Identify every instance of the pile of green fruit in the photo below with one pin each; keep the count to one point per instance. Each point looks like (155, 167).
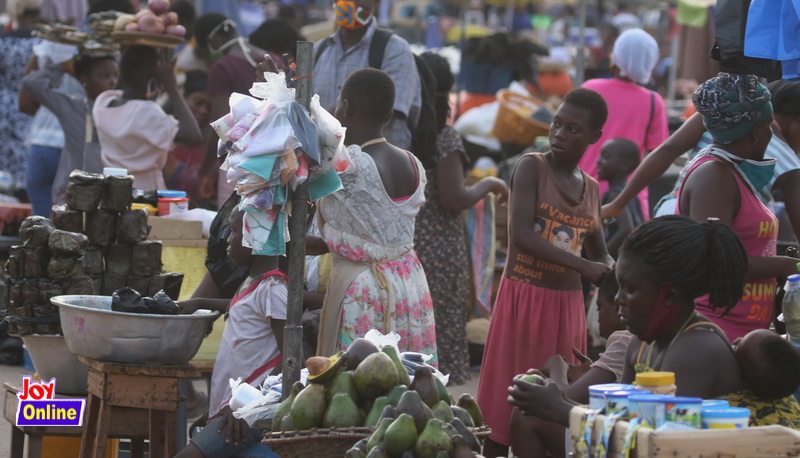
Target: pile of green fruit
(365, 387)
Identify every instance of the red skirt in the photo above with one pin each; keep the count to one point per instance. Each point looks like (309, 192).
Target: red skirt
(529, 324)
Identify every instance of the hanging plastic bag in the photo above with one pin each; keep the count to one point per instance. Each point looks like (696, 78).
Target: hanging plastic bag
(331, 139)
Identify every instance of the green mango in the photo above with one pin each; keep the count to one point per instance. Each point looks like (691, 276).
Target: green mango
(401, 370)
(287, 424)
(424, 385)
(375, 376)
(341, 383)
(462, 415)
(375, 411)
(342, 413)
(443, 394)
(377, 452)
(400, 436)
(395, 393)
(442, 411)
(309, 407)
(467, 402)
(412, 404)
(461, 430)
(285, 405)
(433, 440)
(377, 436)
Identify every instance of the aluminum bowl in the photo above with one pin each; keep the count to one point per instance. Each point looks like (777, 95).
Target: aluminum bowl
(93, 330)
(51, 358)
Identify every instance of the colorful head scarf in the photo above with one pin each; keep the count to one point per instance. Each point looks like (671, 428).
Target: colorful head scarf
(635, 53)
(732, 105)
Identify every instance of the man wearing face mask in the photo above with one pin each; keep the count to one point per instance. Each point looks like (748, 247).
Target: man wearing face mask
(233, 62)
(347, 50)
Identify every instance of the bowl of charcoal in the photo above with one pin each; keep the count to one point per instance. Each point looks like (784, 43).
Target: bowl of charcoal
(149, 331)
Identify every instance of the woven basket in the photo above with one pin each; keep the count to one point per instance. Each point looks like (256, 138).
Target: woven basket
(326, 442)
(317, 442)
(513, 123)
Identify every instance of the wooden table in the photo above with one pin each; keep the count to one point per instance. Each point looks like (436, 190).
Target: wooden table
(126, 423)
(157, 390)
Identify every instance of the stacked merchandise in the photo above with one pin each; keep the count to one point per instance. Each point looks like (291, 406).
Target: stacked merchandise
(50, 262)
(118, 252)
(272, 146)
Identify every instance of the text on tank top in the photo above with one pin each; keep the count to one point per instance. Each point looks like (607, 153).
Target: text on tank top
(563, 222)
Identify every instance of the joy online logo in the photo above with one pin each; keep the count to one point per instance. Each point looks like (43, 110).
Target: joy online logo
(39, 407)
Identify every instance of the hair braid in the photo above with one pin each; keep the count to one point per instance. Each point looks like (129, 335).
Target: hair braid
(698, 257)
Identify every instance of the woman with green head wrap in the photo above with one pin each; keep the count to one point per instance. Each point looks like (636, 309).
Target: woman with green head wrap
(722, 181)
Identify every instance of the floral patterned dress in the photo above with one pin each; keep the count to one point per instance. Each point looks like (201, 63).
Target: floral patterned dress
(364, 227)
(14, 126)
(441, 244)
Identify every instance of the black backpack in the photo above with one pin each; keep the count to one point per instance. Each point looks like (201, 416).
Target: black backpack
(424, 133)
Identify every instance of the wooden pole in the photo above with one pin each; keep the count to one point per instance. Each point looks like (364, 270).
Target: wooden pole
(293, 331)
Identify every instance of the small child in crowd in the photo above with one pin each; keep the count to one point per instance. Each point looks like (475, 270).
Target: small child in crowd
(250, 348)
(134, 131)
(539, 311)
(619, 157)
(770, 364)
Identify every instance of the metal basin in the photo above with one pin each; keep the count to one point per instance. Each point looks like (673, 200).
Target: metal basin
(93, 330)
(51, 358)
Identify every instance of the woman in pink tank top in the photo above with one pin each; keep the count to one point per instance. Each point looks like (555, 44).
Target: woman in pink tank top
(722, 182)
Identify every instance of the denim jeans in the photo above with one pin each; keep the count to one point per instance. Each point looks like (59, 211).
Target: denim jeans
(42, 163)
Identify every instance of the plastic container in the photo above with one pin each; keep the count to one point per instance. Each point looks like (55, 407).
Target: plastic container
(618, 400)
(242, 395)
(151, 210)
(791, 308)
(715, 404)
(726, 418)
(115, 171)
(680, 410)
(657, 382)
(172, 202)
(597, 393)
(645, 406)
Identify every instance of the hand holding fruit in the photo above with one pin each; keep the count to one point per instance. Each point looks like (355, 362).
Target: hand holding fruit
(544, 400)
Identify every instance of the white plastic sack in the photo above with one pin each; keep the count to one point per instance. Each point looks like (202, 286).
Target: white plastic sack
(392, 339)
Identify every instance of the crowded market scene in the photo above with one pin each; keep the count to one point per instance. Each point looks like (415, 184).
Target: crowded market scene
(399, 228)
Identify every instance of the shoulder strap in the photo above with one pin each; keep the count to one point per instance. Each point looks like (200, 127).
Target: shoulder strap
(323, 45)
(652, 113)
(377, 47)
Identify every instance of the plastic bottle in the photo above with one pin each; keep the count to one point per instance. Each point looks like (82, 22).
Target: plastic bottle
(657, 382)
(791, 308)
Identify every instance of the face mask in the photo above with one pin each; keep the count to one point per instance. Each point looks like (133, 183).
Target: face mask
(225, 26)
(350, 17)
(759, 173)
(756, 173)
(662, 317)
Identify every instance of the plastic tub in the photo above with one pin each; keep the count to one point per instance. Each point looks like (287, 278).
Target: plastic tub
(597, 397)
(715, 404)
(645, 406)
(726, 418)
(618, 400)
(680, 410)
(172, 202)
(93, 330)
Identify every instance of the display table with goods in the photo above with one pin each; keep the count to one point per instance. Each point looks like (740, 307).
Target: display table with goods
(598, 435)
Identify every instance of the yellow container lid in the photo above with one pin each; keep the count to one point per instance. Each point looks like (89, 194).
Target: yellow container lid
(655, 378)
(151, 210)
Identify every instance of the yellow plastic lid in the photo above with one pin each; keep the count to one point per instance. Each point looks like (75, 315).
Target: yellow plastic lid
(655, 378)
(151, 210)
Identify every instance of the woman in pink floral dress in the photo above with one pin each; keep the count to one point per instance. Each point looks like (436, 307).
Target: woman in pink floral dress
(377, 281)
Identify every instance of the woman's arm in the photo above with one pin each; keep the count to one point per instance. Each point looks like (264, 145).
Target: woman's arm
(522, 216)
(454, 196)
(27, 103)
(656, 163)
(595, 244)
(624, 227)
(188, 130)
(277, 329)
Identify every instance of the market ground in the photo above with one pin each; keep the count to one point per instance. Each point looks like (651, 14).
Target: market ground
(13, 374)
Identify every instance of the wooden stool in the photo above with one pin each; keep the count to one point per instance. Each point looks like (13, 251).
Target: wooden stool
(159, 389)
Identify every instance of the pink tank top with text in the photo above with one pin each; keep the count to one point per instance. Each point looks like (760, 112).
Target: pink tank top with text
(757, 228)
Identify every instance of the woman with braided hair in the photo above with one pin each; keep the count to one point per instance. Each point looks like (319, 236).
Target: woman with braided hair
(722, 182)
(663, 266)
